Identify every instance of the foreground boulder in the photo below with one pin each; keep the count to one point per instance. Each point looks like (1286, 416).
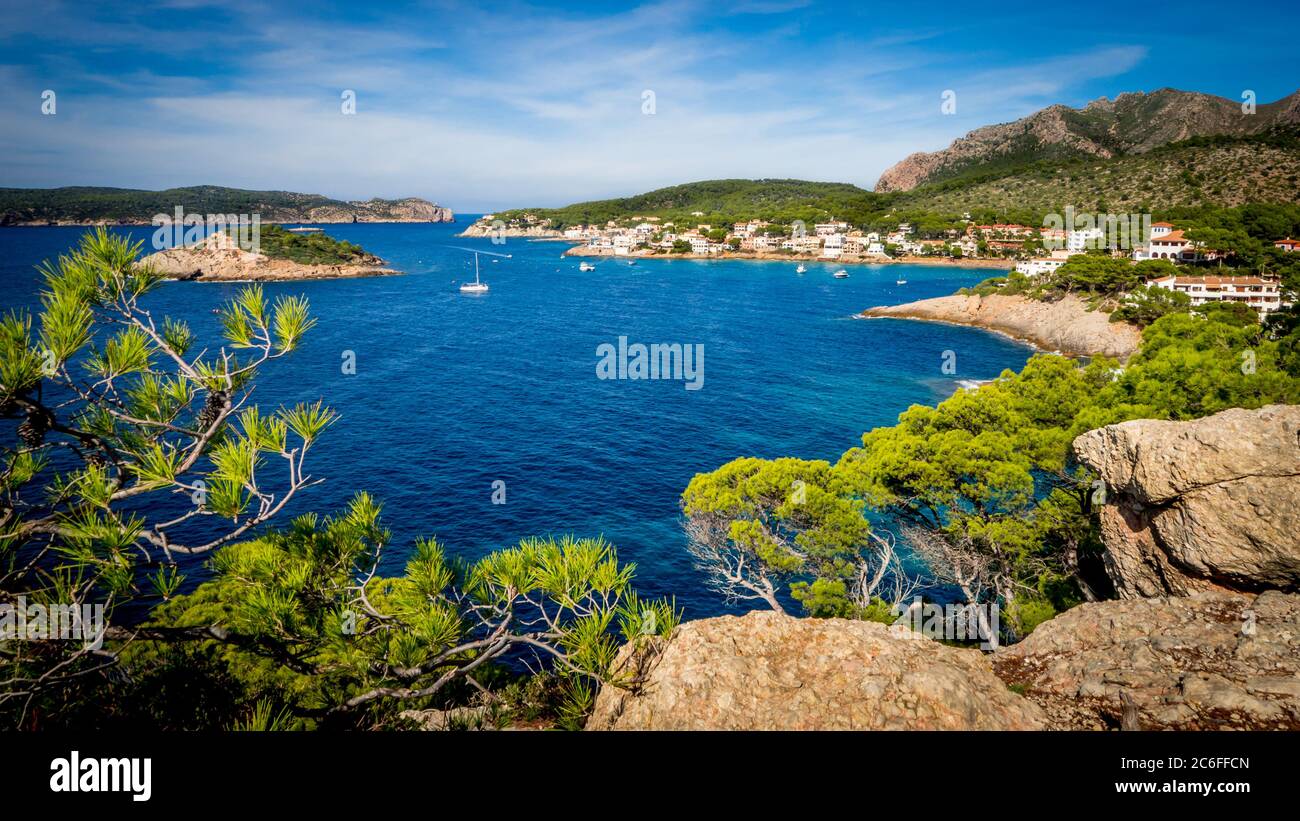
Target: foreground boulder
(1202, 505)
(767, 671)
(1215, 660)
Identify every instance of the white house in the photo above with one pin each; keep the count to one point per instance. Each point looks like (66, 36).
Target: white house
(1264, 295)
(833, 247)
(1039, 265)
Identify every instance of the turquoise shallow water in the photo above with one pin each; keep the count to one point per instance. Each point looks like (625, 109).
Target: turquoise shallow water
(454, 392)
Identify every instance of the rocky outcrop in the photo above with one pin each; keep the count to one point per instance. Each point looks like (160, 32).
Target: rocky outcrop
(487, 228)
(410, 209)
(1215, 660)
(1208, 504)
(769, 671)
(219, 259)
(1065, 325)
(1130, 124)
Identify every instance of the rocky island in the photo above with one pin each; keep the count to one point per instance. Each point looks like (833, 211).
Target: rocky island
(281, 256)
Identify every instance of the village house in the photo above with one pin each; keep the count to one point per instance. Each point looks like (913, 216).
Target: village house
(833, 246)
(1288, 244)
(1264, 295)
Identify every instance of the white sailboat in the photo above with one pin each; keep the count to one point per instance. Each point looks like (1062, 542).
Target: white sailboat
(900, 282)
(475, 287)
(478, 286)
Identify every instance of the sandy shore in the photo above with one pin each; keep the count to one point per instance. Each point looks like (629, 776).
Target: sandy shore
(1065, 325)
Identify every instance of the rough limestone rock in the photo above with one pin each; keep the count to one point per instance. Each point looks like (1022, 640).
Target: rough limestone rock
(1208, 504)
(1065, 325)
(1215, 660)
(219, 258)
(767, 671)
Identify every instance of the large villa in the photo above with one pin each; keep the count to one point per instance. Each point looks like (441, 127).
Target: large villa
(1264, 295)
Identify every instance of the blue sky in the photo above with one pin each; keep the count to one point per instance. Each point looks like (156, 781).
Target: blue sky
(487, 105)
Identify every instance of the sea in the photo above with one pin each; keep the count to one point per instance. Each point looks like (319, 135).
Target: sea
(484, 419)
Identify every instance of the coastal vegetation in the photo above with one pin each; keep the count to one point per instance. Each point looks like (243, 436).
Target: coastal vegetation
(1201, 172)
(90, 204)
(315, 248)
(983, 486)
(717, 201)
(138, 447)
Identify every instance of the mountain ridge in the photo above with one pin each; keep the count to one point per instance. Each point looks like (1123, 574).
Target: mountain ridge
(1130, 124)
(79, 205)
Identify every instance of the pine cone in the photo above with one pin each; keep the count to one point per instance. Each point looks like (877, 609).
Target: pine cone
(212, 409)
(33, 428)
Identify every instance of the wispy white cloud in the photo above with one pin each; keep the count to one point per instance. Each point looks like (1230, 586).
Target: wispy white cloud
(481, 107)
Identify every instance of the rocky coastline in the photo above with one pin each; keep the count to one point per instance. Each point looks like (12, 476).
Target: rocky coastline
(1065, 325)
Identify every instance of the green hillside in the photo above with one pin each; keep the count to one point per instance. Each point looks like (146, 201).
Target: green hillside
(83, 204)
(1203, 171)
(90, 204)
(720, 201)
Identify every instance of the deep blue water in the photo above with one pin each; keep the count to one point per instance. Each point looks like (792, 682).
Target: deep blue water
(453, 392)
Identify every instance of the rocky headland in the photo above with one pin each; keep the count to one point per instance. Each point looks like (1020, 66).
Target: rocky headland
(1064, 325)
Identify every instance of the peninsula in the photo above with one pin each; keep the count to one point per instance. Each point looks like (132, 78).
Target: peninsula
(85, 205)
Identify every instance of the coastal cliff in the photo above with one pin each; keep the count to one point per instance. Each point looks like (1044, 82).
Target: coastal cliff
(219, 259)
(1065, 325)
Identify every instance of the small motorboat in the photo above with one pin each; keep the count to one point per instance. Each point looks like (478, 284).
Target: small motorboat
(801, 269)
(841, 274)
(900, 282)
(586, 266)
